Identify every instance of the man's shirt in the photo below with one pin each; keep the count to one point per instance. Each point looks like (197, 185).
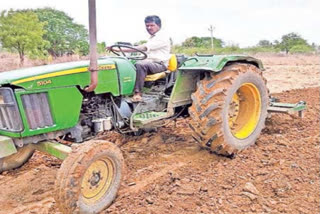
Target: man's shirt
(158, 48)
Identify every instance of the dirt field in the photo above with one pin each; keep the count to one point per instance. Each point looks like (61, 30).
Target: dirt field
(168, 173)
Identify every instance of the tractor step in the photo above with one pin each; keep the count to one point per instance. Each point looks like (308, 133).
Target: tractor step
(148, 117)
(287, 108)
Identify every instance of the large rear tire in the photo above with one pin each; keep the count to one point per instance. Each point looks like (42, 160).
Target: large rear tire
(17, 159)
(229, 109)
(89, 178)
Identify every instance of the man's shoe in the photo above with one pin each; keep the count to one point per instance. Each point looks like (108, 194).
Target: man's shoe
(136, 98)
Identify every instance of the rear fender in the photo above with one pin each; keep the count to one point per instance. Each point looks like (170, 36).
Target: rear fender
(216, 63)
(190, 73)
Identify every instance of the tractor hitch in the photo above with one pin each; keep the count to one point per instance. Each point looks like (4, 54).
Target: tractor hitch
(288, 108)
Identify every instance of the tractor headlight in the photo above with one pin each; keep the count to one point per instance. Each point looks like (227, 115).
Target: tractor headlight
(10, 119)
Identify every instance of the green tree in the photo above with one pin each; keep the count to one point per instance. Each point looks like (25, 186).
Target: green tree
(290, 40)
(23, 32)
(276, 44)
(101, 47)
(264, 43)
(65, 36)
(192, 42)
(202, 42)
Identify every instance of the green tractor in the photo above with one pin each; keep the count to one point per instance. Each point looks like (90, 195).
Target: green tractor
(226, 98)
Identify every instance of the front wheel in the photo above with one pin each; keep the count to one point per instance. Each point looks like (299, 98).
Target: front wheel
(229, 109)
(89, 178)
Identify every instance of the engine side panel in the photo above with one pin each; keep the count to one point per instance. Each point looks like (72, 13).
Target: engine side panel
(62, 112)
(127, 75)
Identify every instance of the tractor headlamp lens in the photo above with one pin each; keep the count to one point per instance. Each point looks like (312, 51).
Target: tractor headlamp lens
(10, 119)
(6, 96)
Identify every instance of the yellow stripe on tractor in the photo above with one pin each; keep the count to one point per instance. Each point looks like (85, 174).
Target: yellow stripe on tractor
(62, 73)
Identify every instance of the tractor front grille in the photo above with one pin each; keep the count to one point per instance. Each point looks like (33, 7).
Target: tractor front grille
(10, 119)
(37, 110)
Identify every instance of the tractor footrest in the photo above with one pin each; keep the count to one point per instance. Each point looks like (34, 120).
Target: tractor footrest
(287, 108)
(148, 117)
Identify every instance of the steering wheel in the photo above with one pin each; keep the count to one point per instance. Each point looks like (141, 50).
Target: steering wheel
(142, 55)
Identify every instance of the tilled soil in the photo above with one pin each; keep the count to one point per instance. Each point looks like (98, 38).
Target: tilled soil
(167, 172)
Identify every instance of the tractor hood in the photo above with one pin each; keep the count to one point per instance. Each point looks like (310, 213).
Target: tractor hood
(216, 63)
(25, 74)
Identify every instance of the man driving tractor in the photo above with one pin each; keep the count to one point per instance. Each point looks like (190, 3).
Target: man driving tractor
(157, 49)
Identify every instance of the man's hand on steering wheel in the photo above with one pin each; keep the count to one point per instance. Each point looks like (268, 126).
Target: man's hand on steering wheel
(128, 49)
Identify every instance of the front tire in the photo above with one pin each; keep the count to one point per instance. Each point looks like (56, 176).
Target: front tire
(89, 178)
(17, 159)
(229, 109)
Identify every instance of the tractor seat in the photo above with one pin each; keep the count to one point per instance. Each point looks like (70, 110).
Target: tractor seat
(173, 64)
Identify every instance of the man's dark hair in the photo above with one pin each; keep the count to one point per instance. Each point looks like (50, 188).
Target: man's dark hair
(154, 19)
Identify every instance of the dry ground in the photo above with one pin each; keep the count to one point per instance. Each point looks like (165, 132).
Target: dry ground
(168, 173)
(10, 61)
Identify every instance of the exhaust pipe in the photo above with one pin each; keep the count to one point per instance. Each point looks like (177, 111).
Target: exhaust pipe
(93, 68)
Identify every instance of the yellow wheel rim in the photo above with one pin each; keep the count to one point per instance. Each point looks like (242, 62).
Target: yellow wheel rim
(97, 180)
(244, 111)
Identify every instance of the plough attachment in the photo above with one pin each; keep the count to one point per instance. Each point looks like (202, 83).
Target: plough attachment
(288, 108)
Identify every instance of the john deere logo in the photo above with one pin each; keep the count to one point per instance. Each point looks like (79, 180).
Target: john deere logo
(44, 82)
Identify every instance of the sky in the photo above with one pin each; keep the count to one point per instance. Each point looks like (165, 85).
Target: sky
(239, 22)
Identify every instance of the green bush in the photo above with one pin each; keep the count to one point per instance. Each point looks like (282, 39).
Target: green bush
(301, 49)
